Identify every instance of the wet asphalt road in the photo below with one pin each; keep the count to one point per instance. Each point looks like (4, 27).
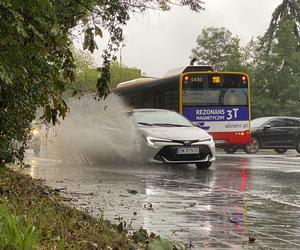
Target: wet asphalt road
(239, 196)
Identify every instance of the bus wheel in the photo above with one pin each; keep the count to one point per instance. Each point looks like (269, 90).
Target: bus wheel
(253, 146)
(280, 150)
(230, 149)
(203, 165)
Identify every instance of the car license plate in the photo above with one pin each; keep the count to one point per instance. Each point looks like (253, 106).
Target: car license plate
(186, 150)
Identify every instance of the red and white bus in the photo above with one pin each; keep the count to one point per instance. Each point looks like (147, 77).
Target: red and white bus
(218, 102)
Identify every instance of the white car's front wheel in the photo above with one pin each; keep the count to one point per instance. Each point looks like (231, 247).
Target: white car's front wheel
(203, 165)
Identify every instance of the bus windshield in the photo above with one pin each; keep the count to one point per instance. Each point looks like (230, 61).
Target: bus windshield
(211, 89)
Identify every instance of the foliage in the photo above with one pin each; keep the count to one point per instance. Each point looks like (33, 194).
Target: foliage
(122, 74)
(40, 218)
(140, 235)
(159, 244)
(276, 78)
(86, 74)
(219, 48)
(14, 234)
(37, 62)
(287, 10)
(33, 216)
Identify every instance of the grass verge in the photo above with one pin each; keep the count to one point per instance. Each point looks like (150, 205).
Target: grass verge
(32, 216)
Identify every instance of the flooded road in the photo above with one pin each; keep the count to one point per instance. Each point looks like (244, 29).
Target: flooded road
(239, 196)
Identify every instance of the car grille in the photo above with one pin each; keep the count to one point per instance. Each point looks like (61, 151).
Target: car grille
(170, 154)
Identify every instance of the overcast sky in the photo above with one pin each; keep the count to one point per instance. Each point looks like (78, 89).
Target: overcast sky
(159, 41)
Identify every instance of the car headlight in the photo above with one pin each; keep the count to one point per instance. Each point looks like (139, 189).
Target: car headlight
(151, 140)
(207, 139)
(34, 131)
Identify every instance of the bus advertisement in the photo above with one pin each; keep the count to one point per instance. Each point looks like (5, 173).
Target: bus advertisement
(218, 102)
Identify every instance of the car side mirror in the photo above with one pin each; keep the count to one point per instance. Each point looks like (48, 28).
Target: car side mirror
(268, 126)
(196, 124)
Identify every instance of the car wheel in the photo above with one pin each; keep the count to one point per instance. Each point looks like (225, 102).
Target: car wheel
(203, 165)
(280, 150)
(230, 149)
(253, 146)
(298, 147)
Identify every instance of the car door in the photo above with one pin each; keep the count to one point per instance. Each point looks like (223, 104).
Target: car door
(291, 132)
(272, 133)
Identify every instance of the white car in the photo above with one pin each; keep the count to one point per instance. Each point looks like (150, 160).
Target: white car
(167, 137)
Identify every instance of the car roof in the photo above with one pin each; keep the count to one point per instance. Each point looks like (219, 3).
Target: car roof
(279, 117)
(151, 110)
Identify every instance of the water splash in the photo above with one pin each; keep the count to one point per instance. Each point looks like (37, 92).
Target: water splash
(94, 132)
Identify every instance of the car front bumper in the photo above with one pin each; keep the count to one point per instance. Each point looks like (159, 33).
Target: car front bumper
(163, 152)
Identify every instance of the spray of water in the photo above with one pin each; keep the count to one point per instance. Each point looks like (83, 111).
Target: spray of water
(94, 132)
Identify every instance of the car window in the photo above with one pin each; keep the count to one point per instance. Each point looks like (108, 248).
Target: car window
(297, 123)
(276, 123)
(290, 123)
(160, 118)
(256, 123)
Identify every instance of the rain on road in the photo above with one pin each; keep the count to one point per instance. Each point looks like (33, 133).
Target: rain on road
(239, 196)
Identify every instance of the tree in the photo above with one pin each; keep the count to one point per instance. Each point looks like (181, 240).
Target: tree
(37, 61)
(219, 48)
(277, 78)
(276, 81)
(86, 74)
(122, 74)
(287, 10)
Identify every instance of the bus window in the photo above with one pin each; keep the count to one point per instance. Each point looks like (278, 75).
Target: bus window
(215, 90)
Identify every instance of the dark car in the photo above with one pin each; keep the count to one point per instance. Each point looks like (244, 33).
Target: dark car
(278, 133)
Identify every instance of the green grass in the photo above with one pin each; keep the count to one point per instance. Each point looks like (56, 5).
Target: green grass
(33, 216)
(14, 234)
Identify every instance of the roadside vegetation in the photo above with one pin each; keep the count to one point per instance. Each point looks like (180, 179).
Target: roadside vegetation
(35, 217)
(87, 73)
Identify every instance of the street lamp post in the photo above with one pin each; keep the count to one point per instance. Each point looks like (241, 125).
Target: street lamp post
(123, 45)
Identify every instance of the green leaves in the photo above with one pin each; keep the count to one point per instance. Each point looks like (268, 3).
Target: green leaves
(160, 244)
(276, 77)
(98, 31)
(140, 235)
(89, 40)
(219, 48)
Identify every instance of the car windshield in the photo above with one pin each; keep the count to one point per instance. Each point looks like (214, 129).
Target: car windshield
(160, 118)
(256, 123)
